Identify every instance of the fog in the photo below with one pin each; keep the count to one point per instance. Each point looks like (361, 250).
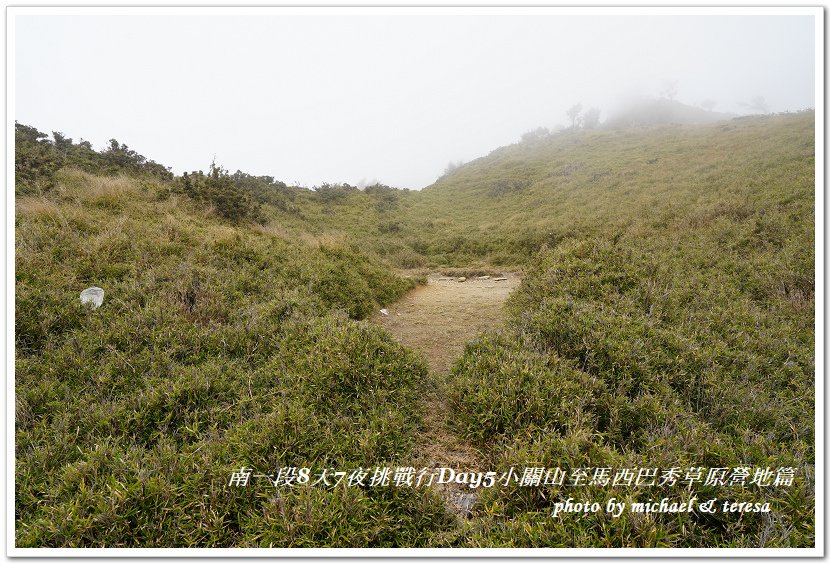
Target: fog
(391, 98)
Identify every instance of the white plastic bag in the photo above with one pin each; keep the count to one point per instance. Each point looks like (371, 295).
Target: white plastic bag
(94, 295)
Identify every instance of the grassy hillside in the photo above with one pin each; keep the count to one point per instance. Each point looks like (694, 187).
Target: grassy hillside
(665, 319)
(504, 207)
(668, 322)
(217, 346)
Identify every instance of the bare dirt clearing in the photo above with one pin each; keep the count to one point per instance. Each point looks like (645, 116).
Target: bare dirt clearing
(436, 320)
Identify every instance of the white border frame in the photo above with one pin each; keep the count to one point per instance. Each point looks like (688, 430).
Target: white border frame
(817, 551)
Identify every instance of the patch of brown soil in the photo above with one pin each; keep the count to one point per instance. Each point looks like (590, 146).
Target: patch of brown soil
(437, 319)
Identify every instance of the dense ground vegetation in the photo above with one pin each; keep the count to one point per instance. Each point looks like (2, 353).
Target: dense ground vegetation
(666, 319)
(218, 346)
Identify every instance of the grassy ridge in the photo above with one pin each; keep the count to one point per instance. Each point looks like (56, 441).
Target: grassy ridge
(500, 210)
(503, 208)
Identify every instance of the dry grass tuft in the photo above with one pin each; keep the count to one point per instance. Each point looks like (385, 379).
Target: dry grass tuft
(38, 208)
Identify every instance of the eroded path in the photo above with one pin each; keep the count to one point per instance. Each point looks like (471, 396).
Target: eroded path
(436, 320)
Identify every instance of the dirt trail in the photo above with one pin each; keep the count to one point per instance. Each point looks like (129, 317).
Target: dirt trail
(436, 320)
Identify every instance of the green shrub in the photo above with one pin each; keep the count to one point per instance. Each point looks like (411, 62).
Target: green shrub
(503, 387)
(35, 161)
(217, 189)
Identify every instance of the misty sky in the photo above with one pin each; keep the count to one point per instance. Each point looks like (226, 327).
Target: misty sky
(394, 98)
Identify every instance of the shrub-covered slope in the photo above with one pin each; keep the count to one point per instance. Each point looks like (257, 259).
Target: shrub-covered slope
(218, 346)
(669, 323)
